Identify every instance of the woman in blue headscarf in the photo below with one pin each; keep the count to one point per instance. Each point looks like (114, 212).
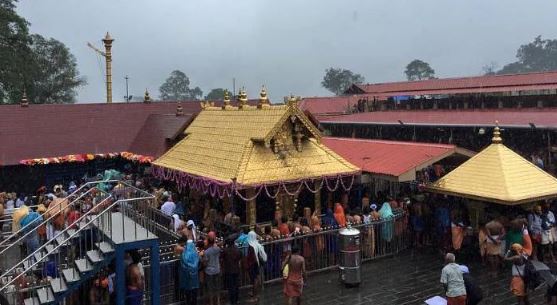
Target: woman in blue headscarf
(329, 219)
(189, 275)
(386, 215)
(329, 222)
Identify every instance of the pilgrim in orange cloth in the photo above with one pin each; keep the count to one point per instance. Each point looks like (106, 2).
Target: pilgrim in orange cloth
(339, 215)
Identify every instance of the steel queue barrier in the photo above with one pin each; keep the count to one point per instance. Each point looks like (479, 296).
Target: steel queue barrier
(381, 238)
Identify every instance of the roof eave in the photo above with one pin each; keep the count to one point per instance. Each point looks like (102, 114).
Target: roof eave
(438, 190)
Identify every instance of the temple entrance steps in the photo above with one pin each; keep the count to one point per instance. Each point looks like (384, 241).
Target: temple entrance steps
(84, 249)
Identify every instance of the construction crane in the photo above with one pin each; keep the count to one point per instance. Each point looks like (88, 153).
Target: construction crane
(107, 54)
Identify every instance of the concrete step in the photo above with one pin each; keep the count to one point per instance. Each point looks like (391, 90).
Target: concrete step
(70, 232)
(105, 247)
(83, 265)
(46, 296)
(28, 263)
(50, 249)
(95, 256)
(60, 239)
(38, 256)
(58, 285)
(71, 275)
(32, 301)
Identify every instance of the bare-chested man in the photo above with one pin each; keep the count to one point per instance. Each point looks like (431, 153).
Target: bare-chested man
(294, 283)
(495, 235)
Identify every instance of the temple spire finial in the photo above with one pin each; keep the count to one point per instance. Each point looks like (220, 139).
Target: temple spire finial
(496, 134)
(179, 110)
(242, 98)
(263, 99)
(292, 100)
(226, 101)
(24, 102)
(146, 97)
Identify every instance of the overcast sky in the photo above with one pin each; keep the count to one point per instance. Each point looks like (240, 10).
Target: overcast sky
(285, 44)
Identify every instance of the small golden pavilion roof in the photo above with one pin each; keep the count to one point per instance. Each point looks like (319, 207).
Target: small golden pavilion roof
(252, 146)
(498, 174)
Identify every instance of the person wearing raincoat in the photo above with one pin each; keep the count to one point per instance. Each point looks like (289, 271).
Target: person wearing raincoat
(386, 215)
(189, 272)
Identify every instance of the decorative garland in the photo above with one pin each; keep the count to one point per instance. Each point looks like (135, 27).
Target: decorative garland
(81, 158)
(220, 189)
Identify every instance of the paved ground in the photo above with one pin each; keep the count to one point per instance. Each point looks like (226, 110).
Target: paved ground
(408, 278)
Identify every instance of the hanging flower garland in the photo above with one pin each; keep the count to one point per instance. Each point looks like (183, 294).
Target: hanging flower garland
(81, 158)
(220, 189)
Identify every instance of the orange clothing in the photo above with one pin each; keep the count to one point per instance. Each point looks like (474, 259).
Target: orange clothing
(283, 228)
(339, 215)
(527, 243)
(517, 286)
(73, 216)
(460, 300)
(457, 233)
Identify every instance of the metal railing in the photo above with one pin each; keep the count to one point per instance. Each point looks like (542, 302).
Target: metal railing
(72, 243)
(382, 238)
(55, 210)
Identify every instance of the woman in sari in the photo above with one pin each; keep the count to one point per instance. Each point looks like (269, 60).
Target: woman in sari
(339, 215)
(318, 243)
(329, 219)
(330, 222)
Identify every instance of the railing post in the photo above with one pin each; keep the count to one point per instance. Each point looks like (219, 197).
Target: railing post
(120, 285)
(155, 274)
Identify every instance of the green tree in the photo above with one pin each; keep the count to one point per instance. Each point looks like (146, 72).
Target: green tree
(177, 87)
(15, 54)
(536, 56)
(338, 80)
(45, 68)
(215, 94)
(56, 76)
(419, 70)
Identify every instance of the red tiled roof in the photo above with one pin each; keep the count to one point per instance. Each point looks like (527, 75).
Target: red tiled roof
(392, 158)
(328, 105)
(40, 131)
(154, 138)
(475, 84)
(519, 118)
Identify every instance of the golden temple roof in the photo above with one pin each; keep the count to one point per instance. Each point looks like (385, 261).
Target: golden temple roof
(498, 174)
(253, 145)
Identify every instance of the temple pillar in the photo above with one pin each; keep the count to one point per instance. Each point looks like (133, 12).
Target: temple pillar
(317, 198)
(251, 216)
(226, 204)
(330, 203)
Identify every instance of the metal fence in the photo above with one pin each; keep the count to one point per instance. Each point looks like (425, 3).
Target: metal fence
(380, 238)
